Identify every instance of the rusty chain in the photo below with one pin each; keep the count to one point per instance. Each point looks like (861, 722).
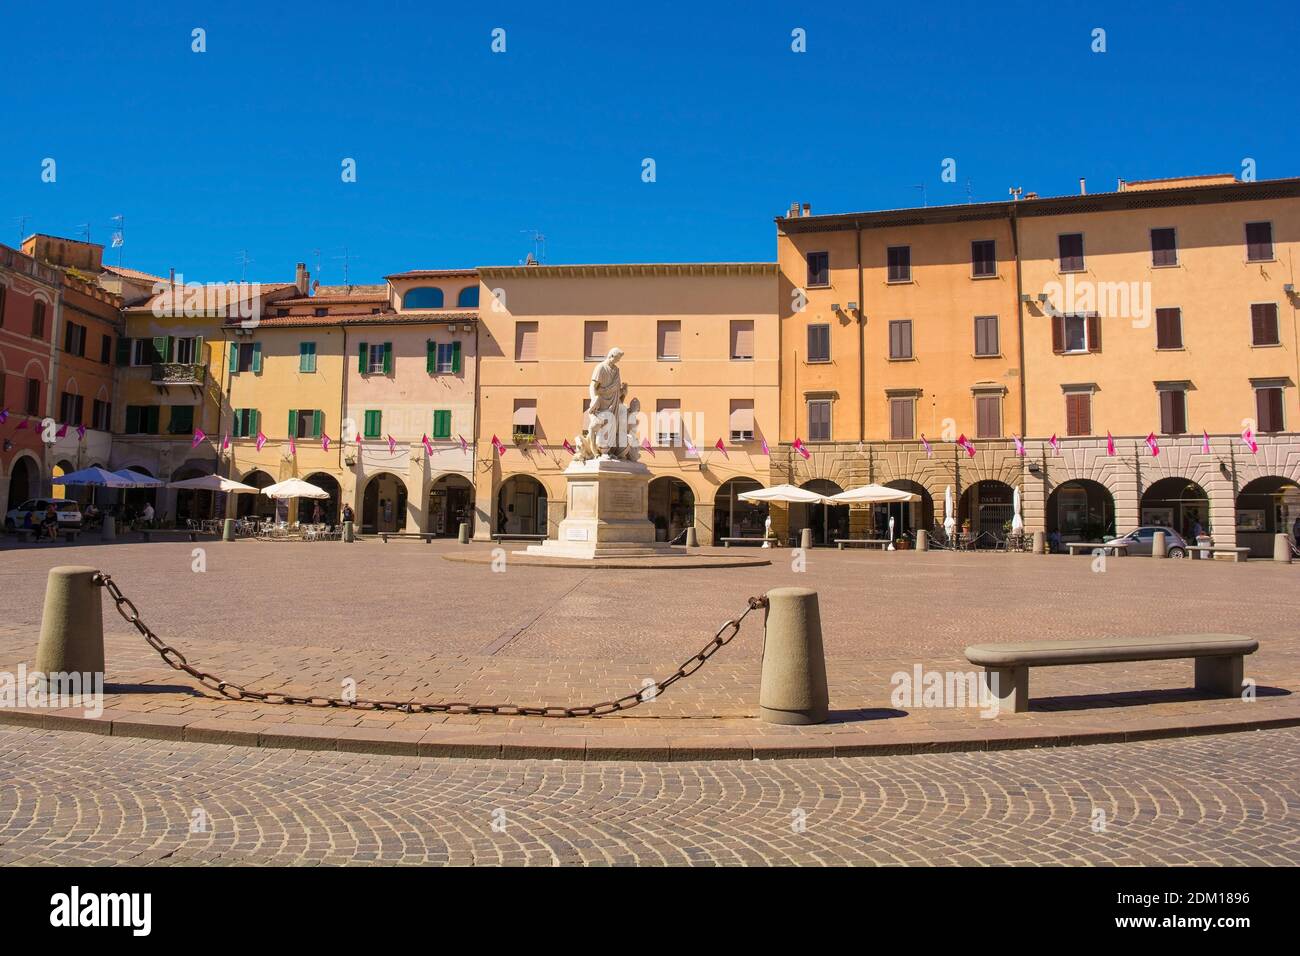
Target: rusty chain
(175, 659)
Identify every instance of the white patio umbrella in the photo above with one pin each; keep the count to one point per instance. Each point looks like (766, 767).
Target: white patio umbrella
(949, 523)
(214, 483)
(94, 478)
(1017, 522)
(872, 494)
(789, 493)
(294, 488)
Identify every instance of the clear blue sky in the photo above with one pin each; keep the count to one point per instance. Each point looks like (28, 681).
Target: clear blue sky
(459, 151)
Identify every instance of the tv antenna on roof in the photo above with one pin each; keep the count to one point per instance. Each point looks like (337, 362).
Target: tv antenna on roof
(85, 229)
(22, 227)
(539, 245)
(119, 236)
(347, 259)
(243, 260)
(921, 186)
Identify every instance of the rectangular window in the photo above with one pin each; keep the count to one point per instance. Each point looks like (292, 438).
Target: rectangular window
(445, 357)
(377, 361)
(306, 356)
(143, 352)
(525, 341)
(1173, 411)
(819, 420)
(74, 339)
(900, 339)
(742, 340)
(1263, 324)
(245, 423)
(1070, 247)
(595, 338)
(742, 420)
(245, 353)
(305, 422)
(525, 418)
(442, 423)
(668, 422)
(33, 396)
(983, 258)
(902, 419)
(1164, 247)
(181, 421)
(1078, 413)
(142, 419)
(819, 343)
(185, 351)
(1259, 241)
(38, 319)
(4, 289)
(374, 424)
(106, 349)
(70, 408)
(669, 336)
(102, 413)
(988, 416)
(986, 335)
(1076, 333)
(1268, 409)
(819, 269)
(1169, 328)
(900, 263)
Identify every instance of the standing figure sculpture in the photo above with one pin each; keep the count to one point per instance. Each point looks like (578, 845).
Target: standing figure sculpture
(609, 424)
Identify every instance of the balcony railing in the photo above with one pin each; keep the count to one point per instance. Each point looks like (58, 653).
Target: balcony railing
(177, 373)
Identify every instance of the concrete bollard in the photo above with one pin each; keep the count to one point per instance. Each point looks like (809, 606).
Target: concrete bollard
(349, 533)
(922, 540)
(805, 539)
(72, 624)
(793, 689)
(228, 530)
(463, 534)
(108, 530)
(1040, 542)
(692, 538)
(1159, 547)
(1282, 548)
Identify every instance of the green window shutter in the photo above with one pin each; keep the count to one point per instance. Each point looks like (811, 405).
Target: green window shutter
(257, 422)
(374, 424)
(257, 358)
(293, 423)
(302, 356)
(317, 423)
(455, 356)
(132, 419)
(363, 354)
(234, 358)
(123, 351)
(236, 421)
(442, 423)
(154, 411)
(388, 358)
(160, 344)
(430, 356)
(198, 350)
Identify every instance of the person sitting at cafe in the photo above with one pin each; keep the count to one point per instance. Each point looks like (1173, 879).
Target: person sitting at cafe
(50, 522)
(147, 514)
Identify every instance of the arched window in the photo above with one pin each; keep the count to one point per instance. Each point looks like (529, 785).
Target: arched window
(425, 297)
(468, 298)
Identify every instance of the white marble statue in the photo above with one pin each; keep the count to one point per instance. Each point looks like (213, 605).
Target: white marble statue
(610, 427)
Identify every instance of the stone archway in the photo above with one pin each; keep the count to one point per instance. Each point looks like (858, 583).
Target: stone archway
(1267, 506)
(734, 518)
(987, 505)
(451, 502)
(909, 517)
(329, 507)
(521, 506)
(24, 481)
(671, 507)
(192, 505)
(1081, 510)
(258, 505)
(383, 504)
(1177, 503)
(827, 522)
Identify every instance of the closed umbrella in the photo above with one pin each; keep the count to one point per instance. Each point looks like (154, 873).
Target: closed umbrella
(949, 523)
(1017, 522)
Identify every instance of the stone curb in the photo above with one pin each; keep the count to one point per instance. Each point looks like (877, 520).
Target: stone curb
(441, 742)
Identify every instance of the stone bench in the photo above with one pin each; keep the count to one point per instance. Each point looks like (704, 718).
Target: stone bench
(502, 536)
(1220, 660)
(1117, 548)
(750, 539)
(882, 543)
(1208, 551)
(428, 536)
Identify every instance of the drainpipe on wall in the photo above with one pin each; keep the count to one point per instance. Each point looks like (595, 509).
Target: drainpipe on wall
(862, 344)
(1020, 321)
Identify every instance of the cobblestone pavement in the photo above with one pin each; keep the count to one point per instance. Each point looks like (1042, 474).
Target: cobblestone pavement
(1223, 800)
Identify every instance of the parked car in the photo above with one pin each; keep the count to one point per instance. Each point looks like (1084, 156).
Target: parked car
(68, 512)
(1139, 541)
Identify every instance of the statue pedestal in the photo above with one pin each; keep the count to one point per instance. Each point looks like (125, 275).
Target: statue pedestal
(606, 515)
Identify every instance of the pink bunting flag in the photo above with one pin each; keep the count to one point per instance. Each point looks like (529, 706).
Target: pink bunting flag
(23, 425)
(198, 438)
(324, 442)
(4, 415)
(1247, 436)
(62, 432)
(225, 442)
(81, 431)
(293, 447)
(645, 443)
(1055, 443)
(1110, 443)
(1020, 445)
(967, 444)
(567, 447)
(392, 445)
(498, 446)
(261, 440)
(1153, 444)
(541, 445)
(766, 450)
(359, 440)
(798, 446)
(722, 448)
(1205, 442)
(691, 450)
(464, 445)
(428, 445)
(925, 443)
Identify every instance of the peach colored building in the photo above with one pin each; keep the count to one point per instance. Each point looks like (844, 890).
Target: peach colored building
(701, 345)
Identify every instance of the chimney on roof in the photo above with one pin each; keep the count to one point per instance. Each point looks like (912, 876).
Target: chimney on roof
(1120, 185)
(793, 211)
(1083, 186)
(301, 278)
(807, 209)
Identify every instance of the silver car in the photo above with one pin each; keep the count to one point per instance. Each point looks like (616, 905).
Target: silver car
(1139, 541)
